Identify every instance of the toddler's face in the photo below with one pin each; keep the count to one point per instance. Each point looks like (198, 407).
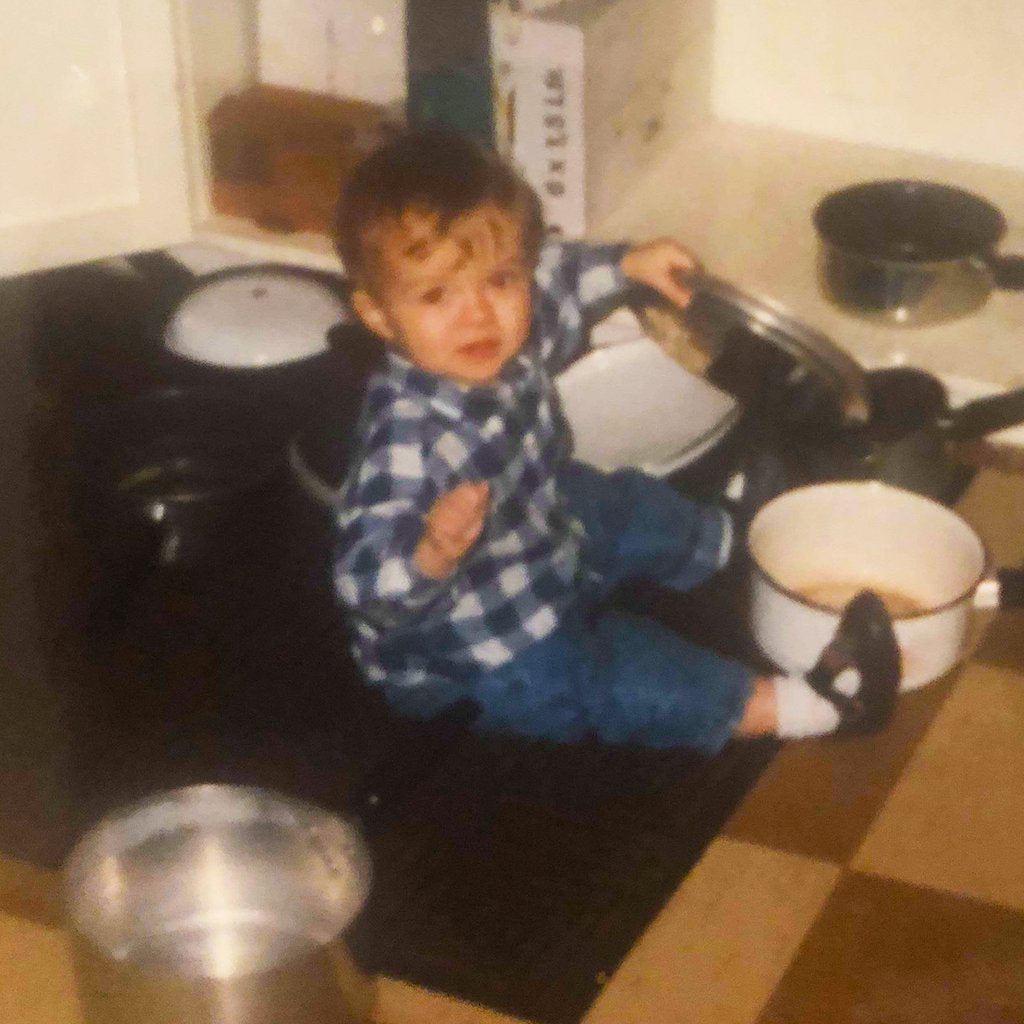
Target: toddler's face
(458, 304)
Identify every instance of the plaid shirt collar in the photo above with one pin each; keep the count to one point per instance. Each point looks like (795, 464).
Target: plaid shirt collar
(463, 401)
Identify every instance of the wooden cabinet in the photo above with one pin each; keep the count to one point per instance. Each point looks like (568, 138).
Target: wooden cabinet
(105, 127)
(106, 121)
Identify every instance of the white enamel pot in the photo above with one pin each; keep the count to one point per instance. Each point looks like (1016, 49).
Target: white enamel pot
(813, 548)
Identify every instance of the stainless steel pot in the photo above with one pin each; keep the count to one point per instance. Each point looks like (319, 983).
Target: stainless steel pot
(217, 904)
(911, 252)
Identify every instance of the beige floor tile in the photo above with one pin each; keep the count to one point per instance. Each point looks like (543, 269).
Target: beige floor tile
(818, 798)
(29, 891)
(37, 985)
(401, 1003)
(718, 948)
(954, 820)
(993, 506)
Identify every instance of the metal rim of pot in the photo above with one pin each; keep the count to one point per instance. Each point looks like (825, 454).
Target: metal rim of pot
(719, 311)
(710, 339)
(911, 252)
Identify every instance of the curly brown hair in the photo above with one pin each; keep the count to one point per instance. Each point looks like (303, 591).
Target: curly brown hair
(432, 171)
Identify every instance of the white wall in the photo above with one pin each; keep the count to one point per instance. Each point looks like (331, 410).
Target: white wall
(648, 81)
(221, 49)
(933, 76)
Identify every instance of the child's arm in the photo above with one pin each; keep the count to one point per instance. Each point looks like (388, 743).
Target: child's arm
(576, 284)
(410, 515)
(663, 265)
(579, 283)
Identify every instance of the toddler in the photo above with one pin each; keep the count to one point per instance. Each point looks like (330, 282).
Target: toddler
(475, 554)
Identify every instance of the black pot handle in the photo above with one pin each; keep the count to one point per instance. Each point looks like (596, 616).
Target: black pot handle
(1007, 271)
(985, 415)
(1011, 588)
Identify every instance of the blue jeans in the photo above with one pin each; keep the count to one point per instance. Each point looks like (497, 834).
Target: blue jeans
(604, 671)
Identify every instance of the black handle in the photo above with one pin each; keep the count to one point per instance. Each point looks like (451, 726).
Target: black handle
(1011, 588)
(1007, 271)
(985, 415)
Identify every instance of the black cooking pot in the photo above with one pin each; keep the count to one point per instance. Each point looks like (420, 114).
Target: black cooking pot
(912, 252)
(260, 329)
(178, 476)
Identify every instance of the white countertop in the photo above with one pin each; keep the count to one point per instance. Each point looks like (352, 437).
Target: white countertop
(741, 198)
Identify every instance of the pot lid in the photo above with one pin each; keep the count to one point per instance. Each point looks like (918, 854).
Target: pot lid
(718, 307)
(255, 317)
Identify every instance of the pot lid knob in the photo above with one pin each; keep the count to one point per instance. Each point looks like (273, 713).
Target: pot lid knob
(255, 317)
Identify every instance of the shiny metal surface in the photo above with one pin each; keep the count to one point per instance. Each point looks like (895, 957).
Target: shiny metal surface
(903, 294)
(718, 307)
(224, 904)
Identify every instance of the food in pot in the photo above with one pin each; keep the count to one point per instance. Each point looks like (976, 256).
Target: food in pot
(837, 594)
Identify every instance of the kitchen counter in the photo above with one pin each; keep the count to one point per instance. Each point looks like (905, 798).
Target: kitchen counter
(741, 197)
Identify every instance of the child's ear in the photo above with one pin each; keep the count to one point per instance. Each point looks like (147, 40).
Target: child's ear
(371, 314)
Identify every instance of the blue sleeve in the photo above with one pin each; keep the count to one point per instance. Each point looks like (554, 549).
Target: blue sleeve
(386, 502)
(576, 282)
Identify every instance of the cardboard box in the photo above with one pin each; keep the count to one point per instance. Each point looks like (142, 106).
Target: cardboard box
(538, 85)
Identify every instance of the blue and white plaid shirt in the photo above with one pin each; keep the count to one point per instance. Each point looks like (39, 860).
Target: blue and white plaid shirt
(421, 435)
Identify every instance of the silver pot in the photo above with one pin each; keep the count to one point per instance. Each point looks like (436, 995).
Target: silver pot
(217, 904)
(911, 252)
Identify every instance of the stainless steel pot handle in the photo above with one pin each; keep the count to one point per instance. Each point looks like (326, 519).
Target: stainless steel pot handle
(984, 416)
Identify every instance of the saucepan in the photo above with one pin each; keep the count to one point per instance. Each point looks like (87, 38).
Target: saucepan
(262, 330)
(178, 469)
(912, 252)
(218, 903)
(814, 547)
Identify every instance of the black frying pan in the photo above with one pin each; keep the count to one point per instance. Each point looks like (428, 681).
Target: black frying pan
(910, 439)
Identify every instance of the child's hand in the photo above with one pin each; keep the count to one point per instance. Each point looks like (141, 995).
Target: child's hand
(664, 265)
(452, 526)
